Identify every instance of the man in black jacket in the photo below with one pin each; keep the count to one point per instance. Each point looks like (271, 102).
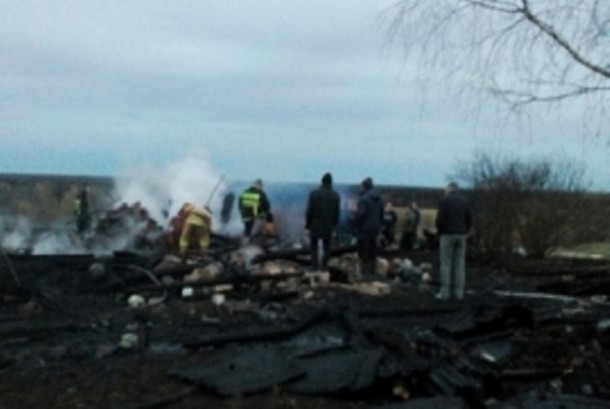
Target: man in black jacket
(453, 222)
(367, 222)
(321, 219)
(388, 227)
(409, 240)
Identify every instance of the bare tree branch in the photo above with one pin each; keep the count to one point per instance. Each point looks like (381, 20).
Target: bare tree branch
(563, 43)
(521, 51)
(517, 98)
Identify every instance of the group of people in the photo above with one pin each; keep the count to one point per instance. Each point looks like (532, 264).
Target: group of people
(371, 216)
(322, 216)
(409, 238)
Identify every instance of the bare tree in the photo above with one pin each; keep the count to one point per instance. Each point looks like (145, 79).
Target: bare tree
(537, 203)
(522, 51)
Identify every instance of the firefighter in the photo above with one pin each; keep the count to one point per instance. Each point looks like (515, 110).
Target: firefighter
(81, 210)
(197, 226)
(254, 207)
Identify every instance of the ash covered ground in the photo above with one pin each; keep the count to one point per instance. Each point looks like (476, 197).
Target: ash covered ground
(111, 319)
(128, 331)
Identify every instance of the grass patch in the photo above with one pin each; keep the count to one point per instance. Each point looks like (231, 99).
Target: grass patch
(586, 250)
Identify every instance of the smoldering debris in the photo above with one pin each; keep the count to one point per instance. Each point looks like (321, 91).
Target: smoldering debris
(381, 340)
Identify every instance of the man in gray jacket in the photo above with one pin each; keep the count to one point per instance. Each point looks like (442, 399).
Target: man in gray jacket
(453, 222)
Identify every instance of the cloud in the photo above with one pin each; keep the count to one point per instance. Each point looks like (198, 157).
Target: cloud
(279, 89)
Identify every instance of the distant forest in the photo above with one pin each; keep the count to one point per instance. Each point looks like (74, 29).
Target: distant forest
(46, 198)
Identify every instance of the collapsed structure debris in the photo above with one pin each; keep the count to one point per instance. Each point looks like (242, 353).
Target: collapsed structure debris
(241, 322)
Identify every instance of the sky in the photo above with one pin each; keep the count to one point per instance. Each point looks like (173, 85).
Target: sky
(282, 90)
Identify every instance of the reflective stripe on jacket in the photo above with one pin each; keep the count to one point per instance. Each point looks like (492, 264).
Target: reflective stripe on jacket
(77, 207)
(197, 219)
(249, 204)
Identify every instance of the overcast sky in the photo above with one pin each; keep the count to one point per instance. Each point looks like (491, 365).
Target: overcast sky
(283, 90)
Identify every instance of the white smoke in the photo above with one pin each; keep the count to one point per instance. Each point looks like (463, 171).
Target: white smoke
(162, 192)
(250, 252)
(57, 242)
(19, 234)
(16, 233)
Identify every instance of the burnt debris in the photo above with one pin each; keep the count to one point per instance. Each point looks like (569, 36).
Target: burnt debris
(240, 322)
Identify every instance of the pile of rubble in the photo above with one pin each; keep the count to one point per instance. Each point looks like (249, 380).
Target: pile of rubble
(243, 322)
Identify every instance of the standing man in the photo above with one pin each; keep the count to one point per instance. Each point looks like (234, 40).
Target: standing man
(227, 206)
(81, 210)
(453, 222)
(253, 205)
(410, 239)
(321, 219)
(367, 223)
(388, 228)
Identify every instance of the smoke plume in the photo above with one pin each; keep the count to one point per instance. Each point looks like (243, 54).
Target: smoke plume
(162, 192)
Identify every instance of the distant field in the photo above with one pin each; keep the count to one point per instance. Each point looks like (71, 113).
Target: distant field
(427, 218)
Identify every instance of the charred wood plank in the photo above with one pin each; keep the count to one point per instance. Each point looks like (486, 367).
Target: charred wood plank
(475, 366)
(293, 254)
(238, 371)
(430, 344)
(169, 399)
(337, 372)
(69, 260)
(536, 401)
(258, 335)
(400, 356)
(273, 297)
(402, 312)
(11, 269)
(579, 271)
(592, 287)
(261, 299)
(441, 384)
(542, 296)
(402, 364)
(429, 403)
(448, 380)
(248, 279)
(486, 337)
(546, 314)
(530, 374)
(25, 329)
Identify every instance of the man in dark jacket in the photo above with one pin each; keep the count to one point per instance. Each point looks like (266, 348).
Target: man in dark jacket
(388, 227)
(321, 219)
(227, 206)
(367, 222)
(410, 236)
(453, 222)
(254, 205)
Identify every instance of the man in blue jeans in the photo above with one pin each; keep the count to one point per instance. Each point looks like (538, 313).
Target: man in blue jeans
(453, 222)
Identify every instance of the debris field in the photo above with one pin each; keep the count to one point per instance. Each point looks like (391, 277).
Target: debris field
(247, 327)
